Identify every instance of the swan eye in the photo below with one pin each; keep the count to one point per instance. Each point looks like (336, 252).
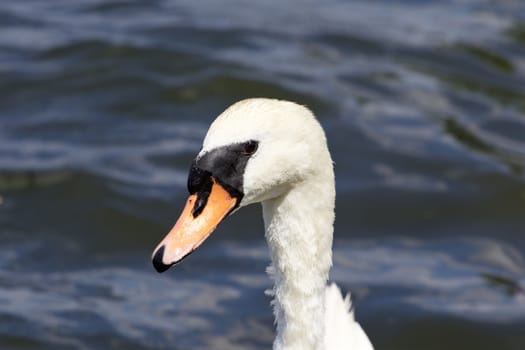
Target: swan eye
(250, 147)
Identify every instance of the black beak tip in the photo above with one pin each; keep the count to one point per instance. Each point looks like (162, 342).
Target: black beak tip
(158, 264)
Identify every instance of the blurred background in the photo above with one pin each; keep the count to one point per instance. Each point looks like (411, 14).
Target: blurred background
(104, 103)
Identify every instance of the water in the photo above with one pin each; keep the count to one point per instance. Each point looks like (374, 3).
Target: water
(104, 104)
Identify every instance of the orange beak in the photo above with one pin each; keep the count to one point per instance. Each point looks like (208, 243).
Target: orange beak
(192, 229)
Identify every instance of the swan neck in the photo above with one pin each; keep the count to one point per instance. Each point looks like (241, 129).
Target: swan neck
(299, 230)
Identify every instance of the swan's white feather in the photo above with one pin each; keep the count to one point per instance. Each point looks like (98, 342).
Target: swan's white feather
(342, 331)
(291, 174)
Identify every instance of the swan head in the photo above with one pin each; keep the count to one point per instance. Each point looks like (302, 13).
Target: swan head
(256, 150)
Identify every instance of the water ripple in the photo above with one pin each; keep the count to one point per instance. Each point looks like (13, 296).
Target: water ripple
(104, 104)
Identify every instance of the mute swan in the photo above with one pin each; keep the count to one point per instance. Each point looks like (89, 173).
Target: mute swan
(273, 152)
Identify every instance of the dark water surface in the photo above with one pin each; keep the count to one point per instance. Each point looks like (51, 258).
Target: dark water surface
(103, 104)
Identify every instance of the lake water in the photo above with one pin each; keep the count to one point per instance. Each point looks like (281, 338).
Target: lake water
(103, 105)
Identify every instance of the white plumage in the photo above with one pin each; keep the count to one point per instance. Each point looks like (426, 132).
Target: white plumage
(291, 174)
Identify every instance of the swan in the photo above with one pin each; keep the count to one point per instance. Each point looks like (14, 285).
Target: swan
(273, 152)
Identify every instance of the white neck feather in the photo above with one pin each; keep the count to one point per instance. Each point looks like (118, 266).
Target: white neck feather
(299, 230)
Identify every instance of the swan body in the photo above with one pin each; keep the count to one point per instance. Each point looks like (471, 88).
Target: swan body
(274, 152)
